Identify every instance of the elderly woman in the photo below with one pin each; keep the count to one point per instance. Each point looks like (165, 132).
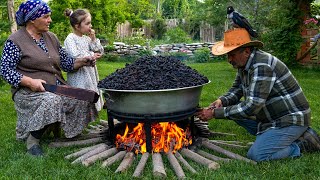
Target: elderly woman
(32, 56)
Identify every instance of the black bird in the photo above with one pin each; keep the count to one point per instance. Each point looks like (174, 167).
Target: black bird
(239, 21)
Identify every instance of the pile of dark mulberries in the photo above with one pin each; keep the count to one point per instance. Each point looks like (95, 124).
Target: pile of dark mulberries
(153, 73)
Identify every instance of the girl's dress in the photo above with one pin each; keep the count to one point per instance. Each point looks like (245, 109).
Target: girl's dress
(86, 77)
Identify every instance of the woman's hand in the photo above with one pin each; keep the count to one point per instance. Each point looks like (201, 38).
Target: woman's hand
(34, 84)
(205, 114)
(85, 61)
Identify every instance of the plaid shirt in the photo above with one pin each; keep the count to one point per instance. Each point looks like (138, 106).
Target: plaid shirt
(271, 95)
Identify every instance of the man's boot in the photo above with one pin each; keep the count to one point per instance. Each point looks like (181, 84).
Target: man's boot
(309, 141)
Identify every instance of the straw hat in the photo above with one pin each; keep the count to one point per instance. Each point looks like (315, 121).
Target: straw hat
(233, 39)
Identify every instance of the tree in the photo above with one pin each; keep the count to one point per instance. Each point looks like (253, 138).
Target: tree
(11, 15)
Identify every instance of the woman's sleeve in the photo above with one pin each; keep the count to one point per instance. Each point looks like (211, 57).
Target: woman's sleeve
(66, 61)
(11, 56)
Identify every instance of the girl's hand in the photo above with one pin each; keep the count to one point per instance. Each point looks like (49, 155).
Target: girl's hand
(92, 35)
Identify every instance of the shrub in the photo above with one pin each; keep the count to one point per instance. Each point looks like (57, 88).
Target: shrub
(202, 55)
(177, 35)
(158, 28)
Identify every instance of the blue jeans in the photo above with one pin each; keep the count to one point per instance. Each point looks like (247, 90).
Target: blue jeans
(275, 143)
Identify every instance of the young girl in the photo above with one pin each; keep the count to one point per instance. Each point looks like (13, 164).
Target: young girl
(83, 42)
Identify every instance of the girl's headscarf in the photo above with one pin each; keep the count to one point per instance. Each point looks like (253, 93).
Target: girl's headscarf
(31, 10)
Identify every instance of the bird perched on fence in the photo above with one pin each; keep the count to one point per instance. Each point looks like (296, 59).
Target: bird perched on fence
(239, 21)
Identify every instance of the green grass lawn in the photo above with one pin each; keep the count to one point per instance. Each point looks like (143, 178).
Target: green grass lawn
(16, 164)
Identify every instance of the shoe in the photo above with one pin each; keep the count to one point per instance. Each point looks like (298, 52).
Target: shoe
(35, 150)
(309, 141)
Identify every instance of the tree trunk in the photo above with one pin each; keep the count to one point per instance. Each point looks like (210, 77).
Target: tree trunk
(11, 15)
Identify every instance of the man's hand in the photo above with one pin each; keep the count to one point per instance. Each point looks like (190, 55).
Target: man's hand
(205, 114)
(216, 104)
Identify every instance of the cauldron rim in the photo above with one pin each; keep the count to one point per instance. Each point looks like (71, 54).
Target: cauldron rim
(158, 90)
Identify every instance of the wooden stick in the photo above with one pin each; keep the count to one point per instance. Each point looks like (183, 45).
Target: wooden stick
(200, 159)
(118, 157)
(228, 144)
(211, 156)
(103, 155)
(82, 151)
(158, 167)
(231, 142)
(176, 166)
(140, 167)
(220, 134)
(185, 163)
(76, 143)
(226, 152)
(126, 162)
(91, 153)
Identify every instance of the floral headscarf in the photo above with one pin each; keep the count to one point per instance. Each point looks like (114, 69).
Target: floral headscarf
(31, 10)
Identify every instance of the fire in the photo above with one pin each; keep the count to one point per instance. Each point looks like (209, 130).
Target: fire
(166, 136)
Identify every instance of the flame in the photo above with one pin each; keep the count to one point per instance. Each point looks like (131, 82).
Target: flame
(166, 136)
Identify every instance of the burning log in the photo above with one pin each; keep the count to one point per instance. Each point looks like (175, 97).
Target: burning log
(82, 151)
(227, 144)
(185, 163)
(126, 162)
(176, 166)
(103, 155)
(216, 148)
(76, 143)
(141, 165)
(94, 151)
(118, 157)
(200, 159)
(211, 156)
(158, 167)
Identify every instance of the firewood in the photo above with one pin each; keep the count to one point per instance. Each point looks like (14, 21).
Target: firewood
(141, 165)
(117, 157)
(104, 123)
(82, 151)
(103, 155)
(216, 148)
(200, 159)
(158, 167)
(176, 166)
(212, 134)
(76, 143)
(94, 127)
(185, 163)
(227, 144)
(97, 150)
(231, 142)
(126, 162)
(211, 156)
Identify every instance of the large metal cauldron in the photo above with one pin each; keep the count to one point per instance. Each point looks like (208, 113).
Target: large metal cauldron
(153, 101)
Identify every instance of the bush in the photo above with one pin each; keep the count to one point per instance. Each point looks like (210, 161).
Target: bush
(158, 28)
(202, 55)
(177, 35)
